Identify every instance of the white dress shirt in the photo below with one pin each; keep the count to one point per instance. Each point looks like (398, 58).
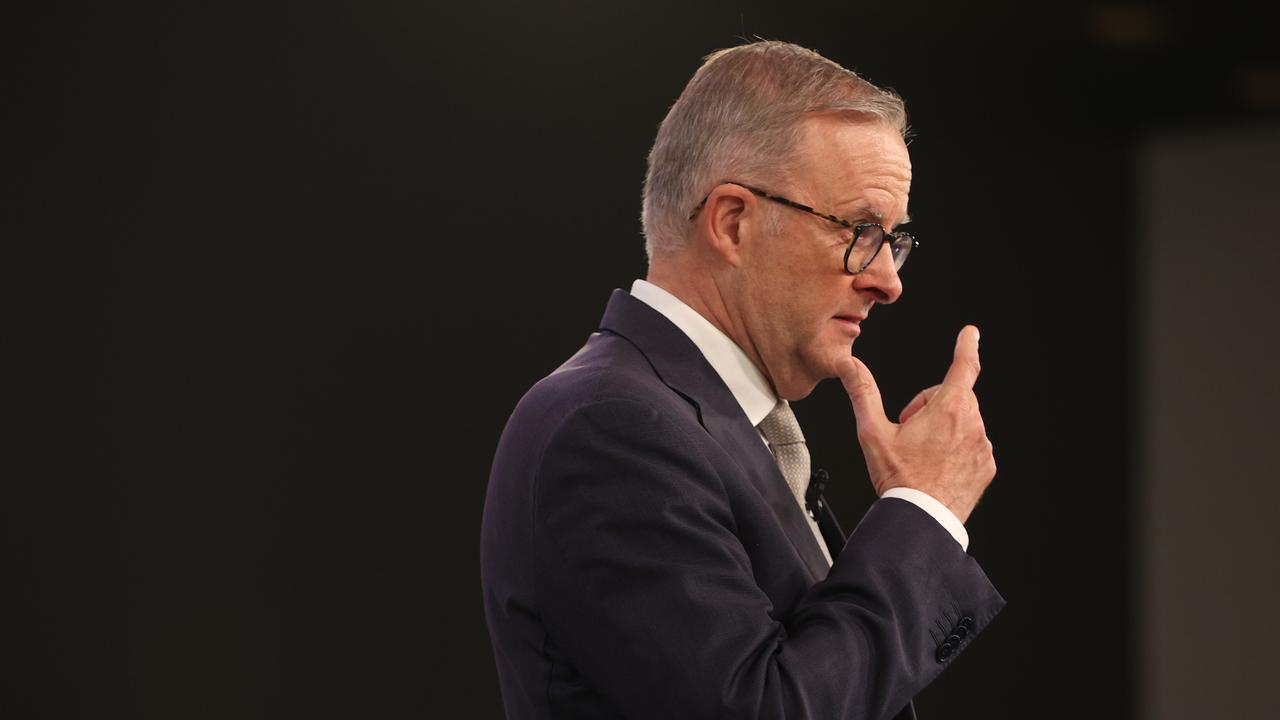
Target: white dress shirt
(754, 393)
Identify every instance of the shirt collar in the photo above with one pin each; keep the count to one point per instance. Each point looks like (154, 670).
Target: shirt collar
(745, 381)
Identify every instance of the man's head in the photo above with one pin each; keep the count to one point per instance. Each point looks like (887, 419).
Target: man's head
(780, 118)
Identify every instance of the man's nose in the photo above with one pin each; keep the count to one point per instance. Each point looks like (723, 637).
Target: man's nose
(880, 278)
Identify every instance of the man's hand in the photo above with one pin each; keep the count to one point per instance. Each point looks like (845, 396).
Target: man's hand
(940, 446)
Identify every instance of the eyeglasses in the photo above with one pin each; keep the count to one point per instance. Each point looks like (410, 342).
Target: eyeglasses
(868, 238)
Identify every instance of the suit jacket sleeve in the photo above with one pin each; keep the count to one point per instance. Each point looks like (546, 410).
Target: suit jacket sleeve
(648, 591)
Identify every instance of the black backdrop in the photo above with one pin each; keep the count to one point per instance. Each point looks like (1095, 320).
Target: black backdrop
(291, 266)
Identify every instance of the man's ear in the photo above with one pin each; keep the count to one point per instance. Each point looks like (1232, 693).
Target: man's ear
(729, 217)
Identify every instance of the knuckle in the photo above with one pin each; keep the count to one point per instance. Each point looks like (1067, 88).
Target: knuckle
(955, 403)
(967, 406)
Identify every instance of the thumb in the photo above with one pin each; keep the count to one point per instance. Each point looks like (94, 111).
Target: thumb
(864, 394)
(965, 365)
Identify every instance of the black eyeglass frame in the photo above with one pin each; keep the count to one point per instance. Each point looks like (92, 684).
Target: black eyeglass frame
(858, 228)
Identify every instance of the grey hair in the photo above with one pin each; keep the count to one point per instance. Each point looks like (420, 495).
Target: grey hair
(740, 117)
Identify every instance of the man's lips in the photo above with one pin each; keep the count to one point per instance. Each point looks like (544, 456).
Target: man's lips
(851, 322)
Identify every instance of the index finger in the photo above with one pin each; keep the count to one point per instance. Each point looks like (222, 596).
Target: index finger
(964, 364)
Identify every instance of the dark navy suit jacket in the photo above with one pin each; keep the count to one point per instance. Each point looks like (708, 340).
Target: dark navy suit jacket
(642, 557)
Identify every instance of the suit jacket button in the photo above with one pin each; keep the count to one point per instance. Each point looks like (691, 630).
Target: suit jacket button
(944, 651)
(961, 632)
(966, 622)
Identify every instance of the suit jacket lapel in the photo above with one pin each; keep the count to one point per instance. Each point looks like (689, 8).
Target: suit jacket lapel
(680, 365)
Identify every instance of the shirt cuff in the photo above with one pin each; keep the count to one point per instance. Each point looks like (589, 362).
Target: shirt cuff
(940, 512)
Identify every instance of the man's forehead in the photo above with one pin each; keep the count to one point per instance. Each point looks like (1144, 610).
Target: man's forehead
(823, 134)
(852, 150)
(859, 168)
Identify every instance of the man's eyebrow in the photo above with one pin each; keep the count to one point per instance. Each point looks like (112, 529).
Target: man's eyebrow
(876, 214)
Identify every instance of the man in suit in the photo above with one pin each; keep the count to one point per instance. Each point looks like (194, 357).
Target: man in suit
(652, 545)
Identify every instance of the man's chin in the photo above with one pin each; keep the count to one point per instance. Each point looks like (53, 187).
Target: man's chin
(823, 363)
(795, 392)
(799, 388)
(830, 368)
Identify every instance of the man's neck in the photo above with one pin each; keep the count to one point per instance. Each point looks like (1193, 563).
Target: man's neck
(706, 299)
(706, 302)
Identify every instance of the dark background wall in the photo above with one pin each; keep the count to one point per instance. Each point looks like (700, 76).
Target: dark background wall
(1209, 552)
(285, 269)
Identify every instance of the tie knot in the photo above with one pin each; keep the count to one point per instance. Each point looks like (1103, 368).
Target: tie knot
(780, 426)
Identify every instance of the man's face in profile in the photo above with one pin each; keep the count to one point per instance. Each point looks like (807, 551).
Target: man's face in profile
(803, 311)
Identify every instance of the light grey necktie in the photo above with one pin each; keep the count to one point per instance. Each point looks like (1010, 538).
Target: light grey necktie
(782, 431)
